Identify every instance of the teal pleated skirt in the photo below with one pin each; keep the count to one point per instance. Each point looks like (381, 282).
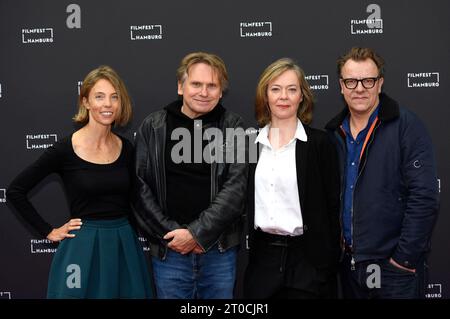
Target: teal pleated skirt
(104, 260)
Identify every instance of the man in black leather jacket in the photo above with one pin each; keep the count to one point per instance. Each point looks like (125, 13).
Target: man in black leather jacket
(191, 184)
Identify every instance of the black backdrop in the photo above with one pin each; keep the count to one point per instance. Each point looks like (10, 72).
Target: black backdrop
(47, 47)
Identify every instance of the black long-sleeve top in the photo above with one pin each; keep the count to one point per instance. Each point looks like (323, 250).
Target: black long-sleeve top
(94, 191)
(188, 185)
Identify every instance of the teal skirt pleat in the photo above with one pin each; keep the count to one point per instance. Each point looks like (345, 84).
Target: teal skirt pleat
(104, 260)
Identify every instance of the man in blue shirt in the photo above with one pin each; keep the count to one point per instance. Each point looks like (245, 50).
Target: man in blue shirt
(390, 192)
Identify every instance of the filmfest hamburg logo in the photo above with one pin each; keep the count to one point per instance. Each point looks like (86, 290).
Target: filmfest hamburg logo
(144, 243)
(317, 82)
(146, 32)
(42, 246)
(373, 24)
(2, 195)
(37, 35)
(40, 141)
(434, 291)
(255, 29)
(423, 80)
(5, 294)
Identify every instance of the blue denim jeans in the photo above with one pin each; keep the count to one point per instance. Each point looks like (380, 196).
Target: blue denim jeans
(394, 283)
(196, 276)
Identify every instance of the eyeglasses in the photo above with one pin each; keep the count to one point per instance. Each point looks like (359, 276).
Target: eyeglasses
(367, 83)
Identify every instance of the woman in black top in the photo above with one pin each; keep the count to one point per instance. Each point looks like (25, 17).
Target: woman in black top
(99, 255)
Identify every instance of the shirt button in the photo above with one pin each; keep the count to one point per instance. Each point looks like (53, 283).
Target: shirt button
(351, 186)
(351, 142)
(353, 163)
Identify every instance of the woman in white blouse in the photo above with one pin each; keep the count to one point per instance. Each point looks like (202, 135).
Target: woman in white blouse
(293, 207)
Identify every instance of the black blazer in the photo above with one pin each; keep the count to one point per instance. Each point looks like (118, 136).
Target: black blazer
(319, 192)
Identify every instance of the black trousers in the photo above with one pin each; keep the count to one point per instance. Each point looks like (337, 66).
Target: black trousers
(279, 268)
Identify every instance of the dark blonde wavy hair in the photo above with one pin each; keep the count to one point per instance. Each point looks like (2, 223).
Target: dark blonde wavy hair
(262, 110)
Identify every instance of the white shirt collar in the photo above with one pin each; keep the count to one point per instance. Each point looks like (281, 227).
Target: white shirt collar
(263, 135)
(300, 133)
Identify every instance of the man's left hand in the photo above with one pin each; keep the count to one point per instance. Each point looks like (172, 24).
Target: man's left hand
(395, 264)
(182, 241)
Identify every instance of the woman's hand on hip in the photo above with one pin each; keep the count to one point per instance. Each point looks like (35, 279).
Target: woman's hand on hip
(61, 233)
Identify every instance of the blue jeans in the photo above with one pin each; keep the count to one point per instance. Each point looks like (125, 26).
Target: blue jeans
(196, 276)
(394, 283)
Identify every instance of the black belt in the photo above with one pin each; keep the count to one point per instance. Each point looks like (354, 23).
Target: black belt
(278, 240)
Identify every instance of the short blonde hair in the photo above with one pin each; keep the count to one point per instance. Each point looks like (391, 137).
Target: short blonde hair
(210, 59)
(107, 73)
(262, 110)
